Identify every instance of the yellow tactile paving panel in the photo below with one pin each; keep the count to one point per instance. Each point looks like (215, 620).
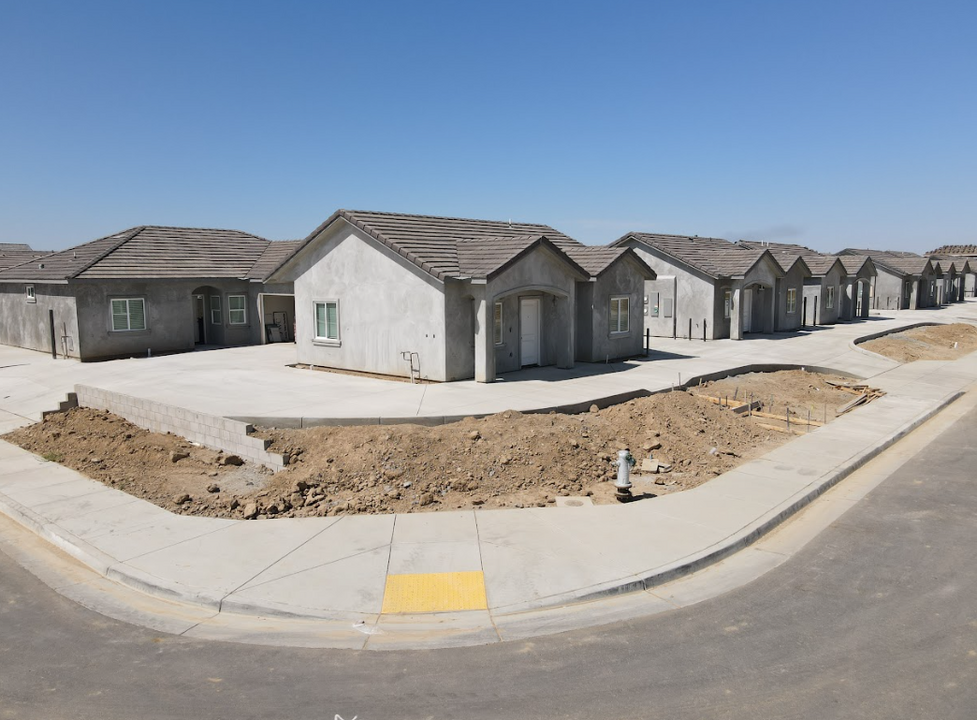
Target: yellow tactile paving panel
(435, 592)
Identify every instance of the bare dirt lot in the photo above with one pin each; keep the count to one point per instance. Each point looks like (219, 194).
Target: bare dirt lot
(932, 342)
(505, 460)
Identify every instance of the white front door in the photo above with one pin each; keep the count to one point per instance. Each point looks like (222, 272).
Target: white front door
(747, 316)
(529, 331)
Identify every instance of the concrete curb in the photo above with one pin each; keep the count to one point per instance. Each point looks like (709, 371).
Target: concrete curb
(763, 525)
(160, 587)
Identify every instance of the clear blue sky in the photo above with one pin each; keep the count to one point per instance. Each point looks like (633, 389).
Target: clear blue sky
(827, 123)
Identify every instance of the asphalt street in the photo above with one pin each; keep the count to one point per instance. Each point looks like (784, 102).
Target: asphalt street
(875, 618)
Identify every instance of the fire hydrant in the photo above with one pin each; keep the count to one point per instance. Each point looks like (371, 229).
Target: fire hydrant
(622, 486)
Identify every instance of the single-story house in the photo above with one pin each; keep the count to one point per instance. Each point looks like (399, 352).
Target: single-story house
(822, 303)
(966, 258)
(148, 290)
(712, 288)
(904, 281)
(449, 298)
(856, 301)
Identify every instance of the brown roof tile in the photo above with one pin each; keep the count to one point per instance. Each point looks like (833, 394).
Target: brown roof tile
(715, 257)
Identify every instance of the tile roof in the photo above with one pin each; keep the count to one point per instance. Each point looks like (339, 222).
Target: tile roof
(954, 250)
(819, 263)
(20, 247)
(152, 252)
(274, 255)
(715, 257)
(595, 259)
(904, 263)
(432, 243)
(853, 263)
(10, 258)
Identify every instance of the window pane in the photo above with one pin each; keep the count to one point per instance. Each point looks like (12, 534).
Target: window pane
(624, 315)
(320, 320)
(332, 321)
(614, 315)
(137, 314)
(120, 315)
(498, 324)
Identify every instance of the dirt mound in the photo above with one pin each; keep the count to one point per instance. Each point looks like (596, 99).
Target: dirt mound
(505, 460)
(931, 342)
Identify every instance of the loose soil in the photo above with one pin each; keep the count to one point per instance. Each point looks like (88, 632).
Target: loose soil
(931, 342)
(505, 460)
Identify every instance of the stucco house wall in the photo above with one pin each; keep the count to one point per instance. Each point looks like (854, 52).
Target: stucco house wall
(386, 306)
(787, 321)
(889, 290)
(681, 293)
(27, 324)
(595, 341)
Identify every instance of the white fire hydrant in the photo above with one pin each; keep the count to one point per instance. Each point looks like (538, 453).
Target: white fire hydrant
(622, 485)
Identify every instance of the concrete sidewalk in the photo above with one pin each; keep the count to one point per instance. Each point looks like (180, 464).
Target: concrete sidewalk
(464, 577)
(257, 382)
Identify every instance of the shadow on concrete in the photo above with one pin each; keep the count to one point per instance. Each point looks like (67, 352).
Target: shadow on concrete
(551, 373)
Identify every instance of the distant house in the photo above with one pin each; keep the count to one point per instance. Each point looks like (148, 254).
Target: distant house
(856, 300)
(147, 290)
(823, 289)
(712, 288)
(450, 299)
(965, 258)
(904, 281)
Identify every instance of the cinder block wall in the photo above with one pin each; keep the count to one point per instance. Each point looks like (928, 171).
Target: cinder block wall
(218, 433)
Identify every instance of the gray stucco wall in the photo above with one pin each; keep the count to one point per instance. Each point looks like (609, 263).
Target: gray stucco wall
(170, 316)
(27, 324)
(595, 341)
(459, 319)
(693, 295)
(889, 291)
(386, 306)
(787, 321)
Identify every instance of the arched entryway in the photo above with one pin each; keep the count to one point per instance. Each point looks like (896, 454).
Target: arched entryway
(757, 308)
(207, 303)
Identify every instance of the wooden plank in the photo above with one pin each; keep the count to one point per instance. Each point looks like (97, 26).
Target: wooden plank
(784, 430)
(793, 419)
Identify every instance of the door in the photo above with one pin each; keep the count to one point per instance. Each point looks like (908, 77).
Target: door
(199, 334)
(746, 317)
(529, 331)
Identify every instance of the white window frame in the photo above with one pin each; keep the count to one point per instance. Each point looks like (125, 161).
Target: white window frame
(727, 303)
(216, 310)
(128, 314)
(618, 300)
(243, 310)
(324, 338)
(830, 300)
(31, 295)
(791, 301)
(498, 333)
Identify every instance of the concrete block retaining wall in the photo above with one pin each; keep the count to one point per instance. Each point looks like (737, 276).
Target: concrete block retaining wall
(218, 433)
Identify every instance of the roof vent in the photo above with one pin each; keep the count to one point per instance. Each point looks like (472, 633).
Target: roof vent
(40, 265)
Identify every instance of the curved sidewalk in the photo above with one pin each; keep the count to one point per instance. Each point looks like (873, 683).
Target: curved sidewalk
(462, 577)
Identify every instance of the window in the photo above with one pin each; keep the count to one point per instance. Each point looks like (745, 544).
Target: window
(620, 315)
(327, 320)
(31, 297)
(791, 300)
(909, 290)
(653, 304)
(830, 299)
(727, 303)
(497, 332)
(215, 310)
(128, 314)
(237, 313)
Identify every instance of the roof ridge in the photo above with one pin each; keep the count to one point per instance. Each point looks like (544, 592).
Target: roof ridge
(202, 229)
(438, 217)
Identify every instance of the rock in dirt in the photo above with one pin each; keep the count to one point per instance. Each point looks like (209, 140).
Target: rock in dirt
(250, 510)
(177, 456)
(181, 499)
(231, 460)
(213, 488)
